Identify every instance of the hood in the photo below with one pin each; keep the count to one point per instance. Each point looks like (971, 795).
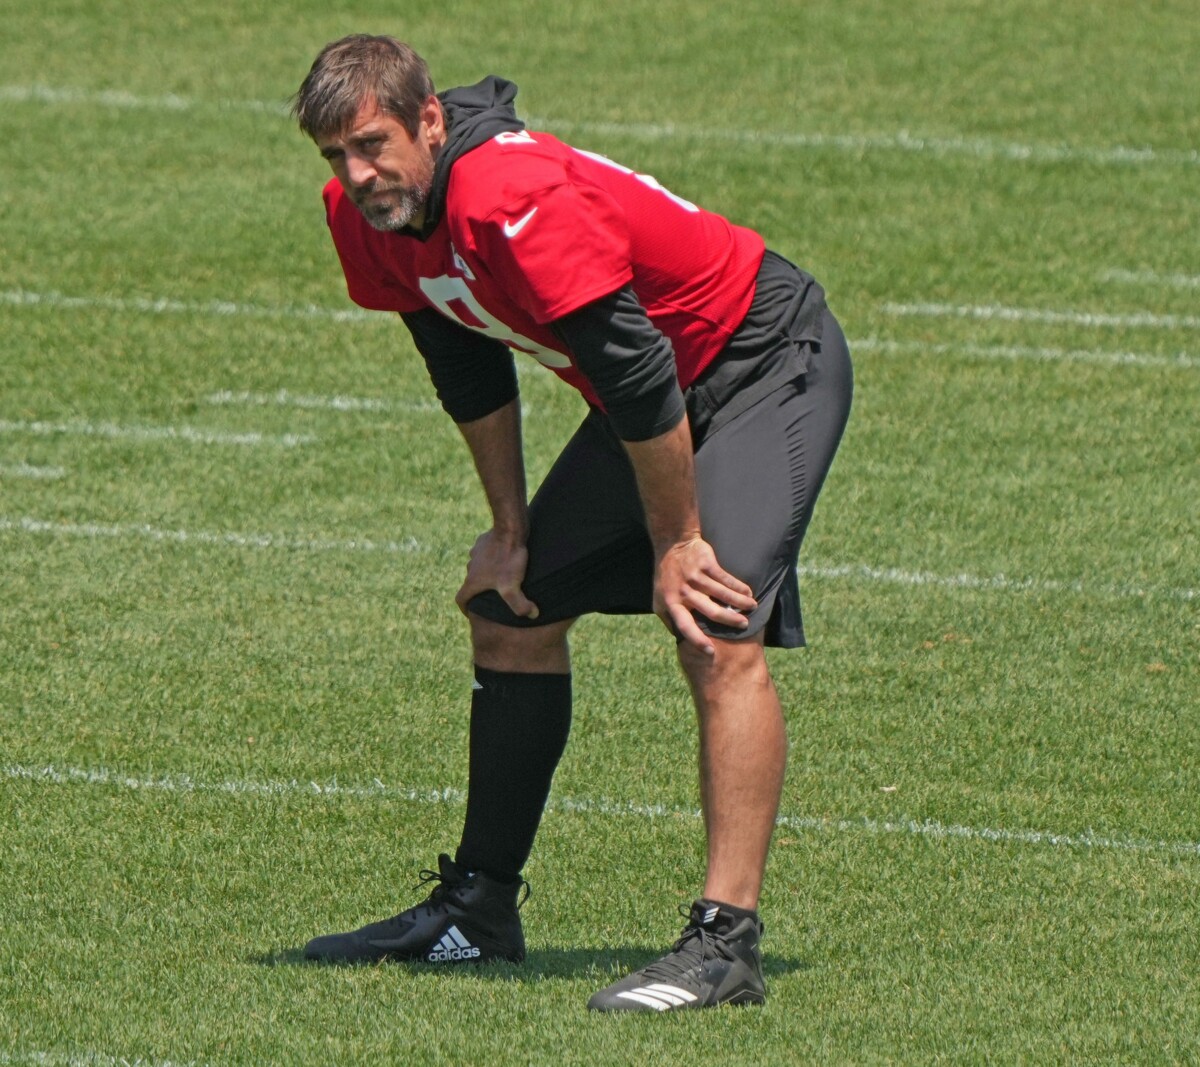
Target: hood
(474, 114)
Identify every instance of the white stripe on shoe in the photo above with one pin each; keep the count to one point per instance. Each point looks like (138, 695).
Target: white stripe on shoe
(659, 997)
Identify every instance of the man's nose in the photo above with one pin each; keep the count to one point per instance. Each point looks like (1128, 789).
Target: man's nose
(359, 170)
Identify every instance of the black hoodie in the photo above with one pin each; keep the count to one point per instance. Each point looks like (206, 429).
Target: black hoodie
(474, 114)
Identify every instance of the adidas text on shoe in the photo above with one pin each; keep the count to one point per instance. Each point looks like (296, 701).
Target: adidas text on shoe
(469, 917)
(716, 961)
(452, 948)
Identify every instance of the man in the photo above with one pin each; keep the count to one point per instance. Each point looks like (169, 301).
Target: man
(719, 386)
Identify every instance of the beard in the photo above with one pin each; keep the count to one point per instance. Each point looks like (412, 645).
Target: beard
(389, 206)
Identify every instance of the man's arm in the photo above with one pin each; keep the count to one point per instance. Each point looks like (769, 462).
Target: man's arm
(477, 385)
(473, 375)
(499, 556)
(632, 367)
(687, 575)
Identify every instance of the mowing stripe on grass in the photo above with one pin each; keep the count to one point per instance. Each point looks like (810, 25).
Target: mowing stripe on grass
(378, 790)
(851, 571)
(900, 141)
(1149, 277)
(100, 531)
(152, 433)
(1182, 360)
(998, 312)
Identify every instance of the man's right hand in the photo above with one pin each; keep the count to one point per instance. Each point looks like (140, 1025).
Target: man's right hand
(497, 562)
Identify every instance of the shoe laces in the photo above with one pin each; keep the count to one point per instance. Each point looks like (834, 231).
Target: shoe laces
(446, 887)
(441, 889)
(696, 945)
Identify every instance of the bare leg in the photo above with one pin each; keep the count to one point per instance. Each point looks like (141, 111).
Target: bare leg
(521, 650)
(743, 753)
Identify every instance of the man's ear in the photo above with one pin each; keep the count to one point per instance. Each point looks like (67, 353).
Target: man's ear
(433, 122)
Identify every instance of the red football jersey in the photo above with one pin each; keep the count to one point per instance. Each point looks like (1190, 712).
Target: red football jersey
(534, 229)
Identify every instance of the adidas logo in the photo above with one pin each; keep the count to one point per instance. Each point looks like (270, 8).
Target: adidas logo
(710, 915)
(452, 948)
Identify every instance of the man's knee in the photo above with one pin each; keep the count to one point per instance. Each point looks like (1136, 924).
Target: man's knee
(740, 664)
(520, 649)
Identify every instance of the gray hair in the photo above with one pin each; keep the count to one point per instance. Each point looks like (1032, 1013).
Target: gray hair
(354, 69)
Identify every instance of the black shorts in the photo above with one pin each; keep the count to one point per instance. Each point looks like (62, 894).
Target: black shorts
(758, 472)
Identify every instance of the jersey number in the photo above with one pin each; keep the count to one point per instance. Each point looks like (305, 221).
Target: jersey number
(454, 299)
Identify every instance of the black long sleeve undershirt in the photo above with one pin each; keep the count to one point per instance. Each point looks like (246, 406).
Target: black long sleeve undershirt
(472, 374)
(627, 360)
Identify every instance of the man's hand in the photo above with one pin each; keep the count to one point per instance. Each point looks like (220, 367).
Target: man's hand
(688, 578)
(499, 557)
(497, 563)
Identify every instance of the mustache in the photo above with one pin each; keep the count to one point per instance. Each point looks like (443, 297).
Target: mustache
(379, 186)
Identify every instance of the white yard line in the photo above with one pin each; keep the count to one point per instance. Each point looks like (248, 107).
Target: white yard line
(219, 308)
(840, 572)
(998, 582)
(286, 398)
(81, 1059)
(227, 539)
(349, 404)
(1001, 313)
(230, 309)
(1152, 278)
(34, 473)
(188, 434)
(1181, 360)
(378, 790)
(984, 148)
(121, 100)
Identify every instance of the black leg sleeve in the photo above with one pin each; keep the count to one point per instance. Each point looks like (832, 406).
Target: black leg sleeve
(519, 727)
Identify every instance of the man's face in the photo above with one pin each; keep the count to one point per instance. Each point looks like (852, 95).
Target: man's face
(384, 170)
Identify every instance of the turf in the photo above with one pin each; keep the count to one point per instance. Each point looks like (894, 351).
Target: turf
(232, 682)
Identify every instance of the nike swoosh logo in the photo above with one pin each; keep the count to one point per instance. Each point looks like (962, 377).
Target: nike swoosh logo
(511, 229)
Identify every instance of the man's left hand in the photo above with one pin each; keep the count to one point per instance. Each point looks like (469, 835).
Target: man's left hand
(689, 579)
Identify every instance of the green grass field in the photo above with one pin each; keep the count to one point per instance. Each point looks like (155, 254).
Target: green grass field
(233, 687)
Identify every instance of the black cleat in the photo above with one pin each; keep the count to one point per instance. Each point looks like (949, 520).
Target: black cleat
(468, 918)
(716, 961)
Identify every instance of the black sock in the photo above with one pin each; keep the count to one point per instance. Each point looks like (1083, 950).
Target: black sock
(519, 727)
(730, 915)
